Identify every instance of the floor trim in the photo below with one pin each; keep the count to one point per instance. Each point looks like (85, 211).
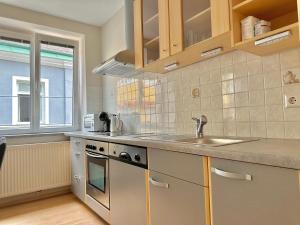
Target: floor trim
(24, 198)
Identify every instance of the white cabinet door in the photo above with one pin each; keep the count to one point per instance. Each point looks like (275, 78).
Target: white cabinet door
(175, 202)
(78, 168)
(252, 194)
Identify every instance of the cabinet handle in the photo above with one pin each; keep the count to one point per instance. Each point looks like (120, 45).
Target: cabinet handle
(229, 175)
(174, 45)
(78, 154)
(159, 184)
(77, 142)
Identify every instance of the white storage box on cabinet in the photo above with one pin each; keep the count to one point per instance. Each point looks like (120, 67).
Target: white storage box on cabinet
(78, 168)
(177, 189)
(248, 194)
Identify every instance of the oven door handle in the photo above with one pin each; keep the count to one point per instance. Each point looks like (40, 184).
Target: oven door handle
(96, 156)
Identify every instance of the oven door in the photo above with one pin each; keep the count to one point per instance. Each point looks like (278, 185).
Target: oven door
(97, 180)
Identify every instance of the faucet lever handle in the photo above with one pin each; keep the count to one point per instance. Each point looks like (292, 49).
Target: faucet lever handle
(196, 119)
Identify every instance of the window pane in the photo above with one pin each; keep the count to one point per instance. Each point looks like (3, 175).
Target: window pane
(56, 97)
(15, 99)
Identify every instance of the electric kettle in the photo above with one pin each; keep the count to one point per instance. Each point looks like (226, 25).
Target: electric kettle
(115, 123)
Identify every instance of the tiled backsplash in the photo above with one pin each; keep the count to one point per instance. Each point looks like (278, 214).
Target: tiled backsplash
(240, 93)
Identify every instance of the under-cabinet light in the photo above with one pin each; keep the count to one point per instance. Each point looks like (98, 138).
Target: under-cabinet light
(172, 66)
(212, 52)
(274, 38)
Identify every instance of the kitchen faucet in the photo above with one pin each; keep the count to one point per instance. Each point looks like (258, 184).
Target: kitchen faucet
(200, 124)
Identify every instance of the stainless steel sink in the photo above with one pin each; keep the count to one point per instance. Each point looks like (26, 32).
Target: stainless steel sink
(213, 141)
(208, 140)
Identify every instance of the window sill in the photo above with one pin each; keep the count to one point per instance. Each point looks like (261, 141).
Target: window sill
(34, 138)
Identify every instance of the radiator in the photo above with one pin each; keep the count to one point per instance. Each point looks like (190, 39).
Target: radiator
(35, 167)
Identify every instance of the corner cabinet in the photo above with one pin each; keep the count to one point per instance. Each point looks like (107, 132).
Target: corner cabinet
(174, 33)
(247, 194)
(78, 167)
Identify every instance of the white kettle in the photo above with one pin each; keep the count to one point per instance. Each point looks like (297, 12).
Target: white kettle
(115, 123)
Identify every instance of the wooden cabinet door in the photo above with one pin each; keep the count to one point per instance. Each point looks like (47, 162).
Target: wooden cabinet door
(175, 202)
(77, 167)
(176, 26)
(248, 194)
(164, 28)
(220, 19)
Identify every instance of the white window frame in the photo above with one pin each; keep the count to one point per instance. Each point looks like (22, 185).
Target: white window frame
(15, 100)
(35, 123)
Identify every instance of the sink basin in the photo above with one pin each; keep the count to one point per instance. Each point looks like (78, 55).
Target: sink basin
(213, 141)
(208, 140)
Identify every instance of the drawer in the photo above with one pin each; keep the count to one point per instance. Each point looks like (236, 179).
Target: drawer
(180, 165)
(176, 202)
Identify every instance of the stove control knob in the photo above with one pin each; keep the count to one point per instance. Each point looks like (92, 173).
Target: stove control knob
(94, 147)
(137, 157)
(101, 149)
(87, 146)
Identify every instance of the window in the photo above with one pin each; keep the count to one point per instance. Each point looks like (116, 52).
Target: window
(37, 88)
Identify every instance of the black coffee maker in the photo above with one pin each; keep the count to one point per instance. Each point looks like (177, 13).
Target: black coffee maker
(105, 118)
(2, 149)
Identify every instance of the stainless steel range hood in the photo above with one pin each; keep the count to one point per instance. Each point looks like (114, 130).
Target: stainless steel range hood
(120, 37)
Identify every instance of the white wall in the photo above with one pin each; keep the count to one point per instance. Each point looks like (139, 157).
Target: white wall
(92, 35)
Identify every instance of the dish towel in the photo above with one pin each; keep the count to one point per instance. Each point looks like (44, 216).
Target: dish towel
(2, 149)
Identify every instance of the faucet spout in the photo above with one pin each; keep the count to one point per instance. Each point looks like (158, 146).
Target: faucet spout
(200, 125)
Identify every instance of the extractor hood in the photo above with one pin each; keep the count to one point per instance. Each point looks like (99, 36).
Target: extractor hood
(118, 44)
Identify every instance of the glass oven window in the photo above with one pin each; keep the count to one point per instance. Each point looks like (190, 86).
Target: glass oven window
(97, 173)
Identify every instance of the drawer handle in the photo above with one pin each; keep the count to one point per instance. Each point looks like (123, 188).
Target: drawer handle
(229, 175)
(159, 184)
(78, 154)
(77, 142)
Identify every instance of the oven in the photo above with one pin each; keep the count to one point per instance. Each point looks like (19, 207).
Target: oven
(97, 174)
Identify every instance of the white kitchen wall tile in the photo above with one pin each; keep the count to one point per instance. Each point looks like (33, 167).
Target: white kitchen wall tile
(275, 129)
(239, 57)
(241, 84)
(243, 129)
(226, 60)
(230, 129)
(257, 98)
(240, 69)
(292, 114)
(227, 73)
(256, 82)
(217, 129)
(242, 114)
(229, 114)
(257, 114)
(273, 79)
(271, 63)
(228, 87)
(215, 75)
(274, 113)
(292, 130)
(254, 67)
(252, 57)
(274, 96)
(258, 129)
(228, 101)
(204, 78)
(241, 99)
(290, 58)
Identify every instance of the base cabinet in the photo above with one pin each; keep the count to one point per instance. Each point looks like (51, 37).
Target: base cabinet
(77, 168)
(248, 194)
(175, 202)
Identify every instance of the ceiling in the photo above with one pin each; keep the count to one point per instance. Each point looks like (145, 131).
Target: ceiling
(93, 12)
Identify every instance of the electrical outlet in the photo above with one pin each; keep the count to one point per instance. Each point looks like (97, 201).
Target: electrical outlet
(292, 101)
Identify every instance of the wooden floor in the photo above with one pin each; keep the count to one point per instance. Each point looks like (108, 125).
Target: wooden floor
(61, 210)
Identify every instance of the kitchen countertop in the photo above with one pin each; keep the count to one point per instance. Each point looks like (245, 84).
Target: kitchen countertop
(273, 152)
